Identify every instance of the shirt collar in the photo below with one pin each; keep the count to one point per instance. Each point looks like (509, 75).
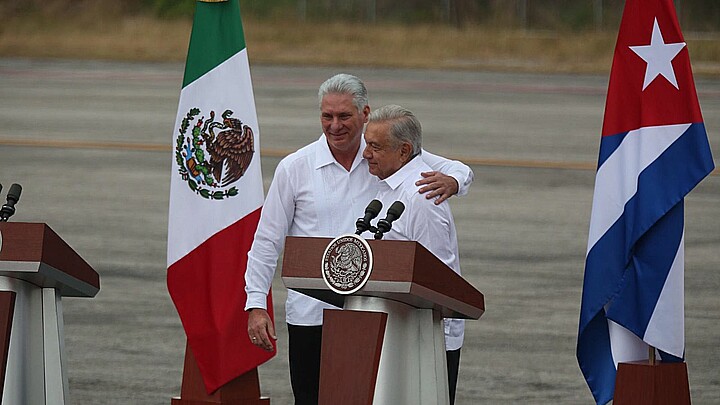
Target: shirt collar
(324, 157)
(411, 168)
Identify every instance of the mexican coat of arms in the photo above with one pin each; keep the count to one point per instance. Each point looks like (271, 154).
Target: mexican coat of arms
(215, 154)
(347, 263)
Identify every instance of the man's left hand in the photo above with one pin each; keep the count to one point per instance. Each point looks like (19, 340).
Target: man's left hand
(439, 185)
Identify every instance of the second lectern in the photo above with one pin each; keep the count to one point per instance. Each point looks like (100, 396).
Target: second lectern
(37, 269)
(387, 346)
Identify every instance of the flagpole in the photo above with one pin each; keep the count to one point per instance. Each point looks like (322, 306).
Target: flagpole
(651, 355)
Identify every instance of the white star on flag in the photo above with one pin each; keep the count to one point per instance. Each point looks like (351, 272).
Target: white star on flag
(658, 56)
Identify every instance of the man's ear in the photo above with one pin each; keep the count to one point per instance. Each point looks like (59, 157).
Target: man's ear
(405, 152)
(366, 113)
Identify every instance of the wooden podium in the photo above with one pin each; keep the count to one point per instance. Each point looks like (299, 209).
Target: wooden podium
(37, 268)
(387, 346)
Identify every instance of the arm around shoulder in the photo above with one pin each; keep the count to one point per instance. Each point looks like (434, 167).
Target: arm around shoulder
(443, 167)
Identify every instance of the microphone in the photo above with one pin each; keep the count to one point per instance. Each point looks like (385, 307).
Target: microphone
(372, 210)
(8, 209)
(393, 213)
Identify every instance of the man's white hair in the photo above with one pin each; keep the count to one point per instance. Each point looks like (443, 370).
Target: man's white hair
(343, 83)
(404, 126)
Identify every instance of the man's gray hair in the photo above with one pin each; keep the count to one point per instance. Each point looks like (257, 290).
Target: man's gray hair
(404, 126)
(343, 83)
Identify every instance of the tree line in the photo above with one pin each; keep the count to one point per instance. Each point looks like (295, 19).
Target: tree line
(694, 15)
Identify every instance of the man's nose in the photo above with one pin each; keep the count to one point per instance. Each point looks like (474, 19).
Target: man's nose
(366, 153)
(335, 123)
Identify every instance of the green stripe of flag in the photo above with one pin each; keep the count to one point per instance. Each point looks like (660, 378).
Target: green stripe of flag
(217, 34)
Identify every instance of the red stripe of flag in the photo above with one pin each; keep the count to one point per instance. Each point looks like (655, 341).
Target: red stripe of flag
(208, 289)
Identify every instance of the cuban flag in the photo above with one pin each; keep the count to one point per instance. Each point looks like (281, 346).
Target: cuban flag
(654, 150)
(216, 194)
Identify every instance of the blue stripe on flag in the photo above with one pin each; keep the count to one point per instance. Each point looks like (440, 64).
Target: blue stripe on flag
(595, 358)
(608, 144)
(669, 358)
(652, 257)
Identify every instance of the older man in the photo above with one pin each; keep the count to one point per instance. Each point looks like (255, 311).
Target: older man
(393, 151)
(320, 190)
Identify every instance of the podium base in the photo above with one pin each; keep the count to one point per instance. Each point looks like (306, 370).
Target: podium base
(413, 363)
(640, 383)
(35, 348)
(351, 348)
(243, 390)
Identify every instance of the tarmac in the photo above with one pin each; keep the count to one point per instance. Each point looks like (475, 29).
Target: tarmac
(90, 142)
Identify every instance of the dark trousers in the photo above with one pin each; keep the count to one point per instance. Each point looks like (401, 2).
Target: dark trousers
(305, 343)
(453, 365)
(304, 357)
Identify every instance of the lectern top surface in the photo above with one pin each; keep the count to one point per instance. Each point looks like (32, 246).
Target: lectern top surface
(35, 253)
(402, 270)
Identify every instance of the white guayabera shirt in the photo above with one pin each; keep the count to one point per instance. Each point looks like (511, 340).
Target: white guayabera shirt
(422, 221)
(313, 195)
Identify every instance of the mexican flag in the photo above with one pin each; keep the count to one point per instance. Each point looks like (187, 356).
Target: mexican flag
(216, 194)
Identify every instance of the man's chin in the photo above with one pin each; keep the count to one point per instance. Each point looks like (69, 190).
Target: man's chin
(378, 175)
(341, 142)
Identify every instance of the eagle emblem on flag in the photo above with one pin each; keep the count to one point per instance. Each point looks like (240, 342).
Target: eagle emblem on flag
(215, 154)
